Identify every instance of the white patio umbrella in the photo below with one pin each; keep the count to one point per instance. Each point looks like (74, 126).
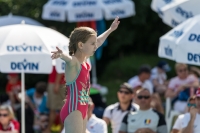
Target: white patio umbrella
(157, 5)
(27, 49)
(14, 19)
(182, 43)
(87, 10)
(179, 11)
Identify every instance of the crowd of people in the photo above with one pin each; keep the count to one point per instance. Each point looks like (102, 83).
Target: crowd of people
(139, 108)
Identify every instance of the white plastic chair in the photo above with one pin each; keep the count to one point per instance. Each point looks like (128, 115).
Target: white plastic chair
(169, 114)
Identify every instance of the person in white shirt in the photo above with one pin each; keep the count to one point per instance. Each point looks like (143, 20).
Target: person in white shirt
(145, 120)
(191, 120)
(114, 113)
(94, 124)
(177, 125)
(142, 79)
(159, 77)
(182, 82)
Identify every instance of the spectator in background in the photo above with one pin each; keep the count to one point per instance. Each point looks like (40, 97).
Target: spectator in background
(191, 120)
(114, 113)
(142, 79)
(8, 124)
(145, 120)
(177, 125)
(195, 71)
(13, 88)
(97, 99)
(37, 101)
(55, 97)
(159, 77)
(180, 86)
(29, 115)
(94, 124)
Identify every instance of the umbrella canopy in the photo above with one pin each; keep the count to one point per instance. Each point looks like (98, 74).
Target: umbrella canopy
(157, 5)
(27, 49)
(120, 8)
(87, 10)
(13, 19)
(177, 12)
(182, 43)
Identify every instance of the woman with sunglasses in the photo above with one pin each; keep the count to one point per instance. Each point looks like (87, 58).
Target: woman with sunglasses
(7, 122)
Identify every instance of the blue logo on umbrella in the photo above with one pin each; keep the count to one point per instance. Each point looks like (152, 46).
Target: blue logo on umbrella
(24, 65)
(85, 15)
(84, 3)
(168, 51)
(184, 13)
(167, 1)
(177, 33)
(24, 48)
(175, 23)
(55, 14)
(112, 1)
(118, 12)
(59, 3)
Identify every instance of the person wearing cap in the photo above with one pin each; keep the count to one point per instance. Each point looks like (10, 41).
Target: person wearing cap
(159, 77)
(94, 124)
(191, 120)
(145, 120)
(114, 113)
(13, 88)
(142, 79)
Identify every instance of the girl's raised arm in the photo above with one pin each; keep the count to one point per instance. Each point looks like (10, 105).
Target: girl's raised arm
(60, 54)
(101, 38)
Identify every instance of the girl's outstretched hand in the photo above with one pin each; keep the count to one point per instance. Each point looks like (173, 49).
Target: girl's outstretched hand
(115, 24)
(56, 54)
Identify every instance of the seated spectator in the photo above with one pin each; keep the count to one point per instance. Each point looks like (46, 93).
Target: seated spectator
(191, 120)
(114, 113)
(159, 77)
(145, 120)
(29, 116)
(156, 103)
(4, 99)
(179, 87)
(177, 125)
(94, 124)
(37, 101)
(8, 124)
(98, 101)
(13, 88)
(195, 71)
(142, 79)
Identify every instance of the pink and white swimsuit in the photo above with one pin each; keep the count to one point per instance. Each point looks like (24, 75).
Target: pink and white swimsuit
(77, 94)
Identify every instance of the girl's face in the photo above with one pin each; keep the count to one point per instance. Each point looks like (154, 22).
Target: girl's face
(90, 46)
(4, 117)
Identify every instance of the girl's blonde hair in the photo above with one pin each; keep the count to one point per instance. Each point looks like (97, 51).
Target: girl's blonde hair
(80, 34)
(9, 109)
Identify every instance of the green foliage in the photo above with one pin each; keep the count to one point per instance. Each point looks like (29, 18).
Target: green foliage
(127, 66)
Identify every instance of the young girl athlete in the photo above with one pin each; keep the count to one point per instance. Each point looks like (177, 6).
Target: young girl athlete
(83, 42)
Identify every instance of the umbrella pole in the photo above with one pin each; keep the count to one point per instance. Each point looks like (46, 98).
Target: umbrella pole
(94, 75)
(23, 102)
